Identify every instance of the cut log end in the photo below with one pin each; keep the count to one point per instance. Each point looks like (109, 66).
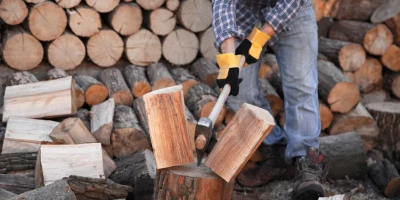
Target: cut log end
(391, 58)
(326, 116)
(143, 48)
(351, 57)
(105, 48)
(161, 21)
(141, 89)
(84, 21)
(343, 97)
(66, 52)
(96, 94)
(126, 19)
(378, 40)
(150, 4)
(369, 76)
(13, 12)
(207, 48)
(123, 97)
(195, 15)
(175, 52)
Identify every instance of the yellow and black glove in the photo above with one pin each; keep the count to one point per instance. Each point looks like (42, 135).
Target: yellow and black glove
(252, 46)
(228, 64)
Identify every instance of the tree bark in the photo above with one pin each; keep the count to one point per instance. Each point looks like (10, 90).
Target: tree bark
(103, 6)
(206, 70)
(334, 88)
(126, 19)
(185, 78)
(105, 188)
(385, 11)
(13, 12)
(376, 39)
(173, 49)
(349, 56)
(66, 52)
(359, 10)
(167, 134)
(143, 48)
(159, 76)
(46, 16)
(84, 115)
(117, 87)
(95, 91)
(59, 189)
(369, 76)
(127, 137)
(16, 41)
(342, 151)
(190, 182)
(4, 194)
(84, 21)
(375, 96)
(138, 171)
(195, 15)
(137, 80)
(17, 162)
(139, 108)
(20, 78)
(391, 58)
(385, 176)
(16, 183)
(392, 83)
(160, 21)
(105, 48)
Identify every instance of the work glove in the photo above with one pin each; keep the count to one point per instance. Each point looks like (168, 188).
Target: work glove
(251, 47)
(228, 64)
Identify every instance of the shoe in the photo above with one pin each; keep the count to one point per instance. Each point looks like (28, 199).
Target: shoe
(310, 171)
(273, 168)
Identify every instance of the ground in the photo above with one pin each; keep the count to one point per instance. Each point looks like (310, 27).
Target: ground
(281, 190)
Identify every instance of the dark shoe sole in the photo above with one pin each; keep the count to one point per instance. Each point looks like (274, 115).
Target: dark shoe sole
(312, 192)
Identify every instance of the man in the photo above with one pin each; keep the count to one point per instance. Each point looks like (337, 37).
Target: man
(289, 28)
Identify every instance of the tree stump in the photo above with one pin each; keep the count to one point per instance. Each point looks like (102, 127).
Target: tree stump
(191, 182)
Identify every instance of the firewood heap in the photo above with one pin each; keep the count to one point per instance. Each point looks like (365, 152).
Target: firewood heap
(101, 99)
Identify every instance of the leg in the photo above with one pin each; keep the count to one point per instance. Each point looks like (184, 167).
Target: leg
(296, 53)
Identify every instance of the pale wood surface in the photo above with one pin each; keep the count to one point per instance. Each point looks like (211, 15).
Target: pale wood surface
(143, 48)
(42, 99)
(59, 161)
(195, 15)
(369, 76)
(167, 133)
(126, 19)
(207, 48)
(84, 21)
(236, 146)
(25, 135)
(68, 3)
(150, 4)
(180, 47)
(160, 21)
(105, 48)
(101, 121)
(159, 76)
(13, 12)
(103, 6)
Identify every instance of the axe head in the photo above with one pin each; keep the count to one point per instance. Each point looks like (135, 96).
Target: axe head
(202, 137)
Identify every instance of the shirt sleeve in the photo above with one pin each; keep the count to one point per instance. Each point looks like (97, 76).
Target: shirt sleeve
(282, 13)
(224, 21)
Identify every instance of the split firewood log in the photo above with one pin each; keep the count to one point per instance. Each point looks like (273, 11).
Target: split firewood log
(206, 70)
(117, 87)
(95, 92)
(20, 78)
(17, 162)
(59, 189)
(207, 48)
(140, 111)
(13, 12)
(17, 184)
(183, 77)
(4, 194)
(137, 80)
(159, 76)
(101, 121)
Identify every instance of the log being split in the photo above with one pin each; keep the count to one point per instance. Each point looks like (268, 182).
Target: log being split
(206, 70)
(101, 121)
(235, 148)
(103, 6)
(392, 83)
(20, 78)
(127, 137)
(17, 162)
(95, 91)
(117, 87)
(173, 49)
(43, 99)
(207, 48)
(138, 171)
(16, 42)
(160, 21)
(66, 52)
(391, 58)
(271, 95)
(126, 19)
(13, 12)
(84, 21)
(167, 133)
(73, 131)
(349, 56)
(137, 80)
(342, 151)
(143, 48)
(201, 100)
(386, 115)
(195, 15)
(334, 88)
(369, 76)
(159, 76)
(376, 39)
(46, 21)
(105, 48)
(190, 181)
(79, 93)
(183, 77)
(82, 187)
(394, 25)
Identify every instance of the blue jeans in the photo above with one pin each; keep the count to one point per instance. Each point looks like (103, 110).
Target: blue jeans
(296, 53)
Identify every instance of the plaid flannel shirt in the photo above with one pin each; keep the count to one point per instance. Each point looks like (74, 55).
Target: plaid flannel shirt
(238, 17)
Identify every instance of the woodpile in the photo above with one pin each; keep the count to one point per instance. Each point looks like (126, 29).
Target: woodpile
(112, 88)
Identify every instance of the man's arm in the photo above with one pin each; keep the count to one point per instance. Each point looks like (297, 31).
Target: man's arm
(224, 25)
(281, 15)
